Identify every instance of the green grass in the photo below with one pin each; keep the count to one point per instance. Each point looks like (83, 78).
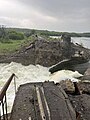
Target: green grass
(8, 47)
(11, 47)
(14, 45)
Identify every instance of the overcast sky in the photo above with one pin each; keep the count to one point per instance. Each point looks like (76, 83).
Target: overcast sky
(58, 15)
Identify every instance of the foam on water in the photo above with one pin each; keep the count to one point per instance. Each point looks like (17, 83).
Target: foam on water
(65, 75)
(31, 73)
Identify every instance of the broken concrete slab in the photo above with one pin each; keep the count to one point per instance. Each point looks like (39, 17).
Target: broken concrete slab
(42, 101)
(79, 64)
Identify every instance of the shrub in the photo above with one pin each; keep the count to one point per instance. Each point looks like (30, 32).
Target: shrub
(15, 35)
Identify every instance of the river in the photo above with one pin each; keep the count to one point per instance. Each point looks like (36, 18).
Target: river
(85, 41)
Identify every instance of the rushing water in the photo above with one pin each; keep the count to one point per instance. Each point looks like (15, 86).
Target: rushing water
(24, 75)
(31, 73)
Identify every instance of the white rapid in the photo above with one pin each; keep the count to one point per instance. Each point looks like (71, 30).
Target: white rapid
(31, 73)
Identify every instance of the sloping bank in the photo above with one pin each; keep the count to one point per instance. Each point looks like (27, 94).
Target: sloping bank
(47, 53)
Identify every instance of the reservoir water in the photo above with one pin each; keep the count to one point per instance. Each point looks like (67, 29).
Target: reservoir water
(84, 41)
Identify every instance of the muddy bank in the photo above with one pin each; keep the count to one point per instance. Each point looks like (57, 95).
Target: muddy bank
(46, 53)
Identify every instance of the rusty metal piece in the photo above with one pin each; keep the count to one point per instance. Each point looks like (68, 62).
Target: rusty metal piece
(3, 100)
(4, 89)
(77, 116)
(3, 109)
(6, 107)
(0, 111)
(77, 91)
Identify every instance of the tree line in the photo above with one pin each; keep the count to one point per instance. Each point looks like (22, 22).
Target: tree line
(7, 34)
(53, 33)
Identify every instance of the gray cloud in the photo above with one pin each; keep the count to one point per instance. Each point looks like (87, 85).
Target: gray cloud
(61, 15)
(59, 7)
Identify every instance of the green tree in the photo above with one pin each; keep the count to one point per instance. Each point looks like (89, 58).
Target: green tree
(3, 34)
(33, 31)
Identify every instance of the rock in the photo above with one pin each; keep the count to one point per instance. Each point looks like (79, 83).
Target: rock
(67, 85)
(86, 76)
(47, 52)
(81, 104)
(66, 46)
(84, 87)
(87, 72)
